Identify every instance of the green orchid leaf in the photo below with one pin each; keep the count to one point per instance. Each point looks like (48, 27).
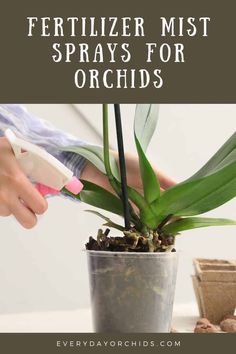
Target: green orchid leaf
(144, 125)
(145, 121)
(95, 155)
(223, 157)
(99, 197)
(151, 186)
(198, 196)
(109, 222)
(194, 223)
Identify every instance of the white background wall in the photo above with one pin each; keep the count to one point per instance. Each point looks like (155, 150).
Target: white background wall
(45, 268)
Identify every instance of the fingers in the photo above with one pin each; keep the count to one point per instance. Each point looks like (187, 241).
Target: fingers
(4, 211)
(31, 197)
(22, 214)
(134, 178)
(165, 181)
(17, 195)
(20, 198)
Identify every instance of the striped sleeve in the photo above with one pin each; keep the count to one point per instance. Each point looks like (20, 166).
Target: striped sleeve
(41, 133)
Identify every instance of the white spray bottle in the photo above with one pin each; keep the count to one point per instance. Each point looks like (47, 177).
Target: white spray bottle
(41, 167)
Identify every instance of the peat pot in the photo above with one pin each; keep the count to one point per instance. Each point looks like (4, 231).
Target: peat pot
(214, 284)
(132, 292)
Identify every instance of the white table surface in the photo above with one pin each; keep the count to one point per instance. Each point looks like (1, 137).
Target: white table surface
(79, 321)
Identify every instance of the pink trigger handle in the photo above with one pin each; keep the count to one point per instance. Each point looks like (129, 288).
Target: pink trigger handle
(74, 186)
(44, 190)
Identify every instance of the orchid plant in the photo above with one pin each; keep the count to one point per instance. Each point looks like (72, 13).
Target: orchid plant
(156, 217)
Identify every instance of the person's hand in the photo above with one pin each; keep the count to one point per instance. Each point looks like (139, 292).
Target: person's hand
(134, 179)
(17, 194)
(92, 174)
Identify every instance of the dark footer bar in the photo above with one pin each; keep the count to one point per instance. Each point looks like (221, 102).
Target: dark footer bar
(12, 343)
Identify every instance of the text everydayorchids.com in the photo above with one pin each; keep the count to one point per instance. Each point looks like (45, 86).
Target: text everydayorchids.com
(117, 343)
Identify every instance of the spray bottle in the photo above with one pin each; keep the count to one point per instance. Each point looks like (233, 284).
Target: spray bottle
(50, 175)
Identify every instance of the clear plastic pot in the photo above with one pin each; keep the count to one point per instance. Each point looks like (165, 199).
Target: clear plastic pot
(132, 292)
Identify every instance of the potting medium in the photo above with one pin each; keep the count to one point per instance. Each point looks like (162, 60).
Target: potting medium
(132, 292)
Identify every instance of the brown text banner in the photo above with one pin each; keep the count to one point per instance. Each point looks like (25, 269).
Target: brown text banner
(125, 51)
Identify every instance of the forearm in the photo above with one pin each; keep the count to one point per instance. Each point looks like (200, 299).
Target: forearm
(92, 174)
(43, 134)
(134, 180)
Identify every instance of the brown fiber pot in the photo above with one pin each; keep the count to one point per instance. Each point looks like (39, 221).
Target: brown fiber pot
(214, 284)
